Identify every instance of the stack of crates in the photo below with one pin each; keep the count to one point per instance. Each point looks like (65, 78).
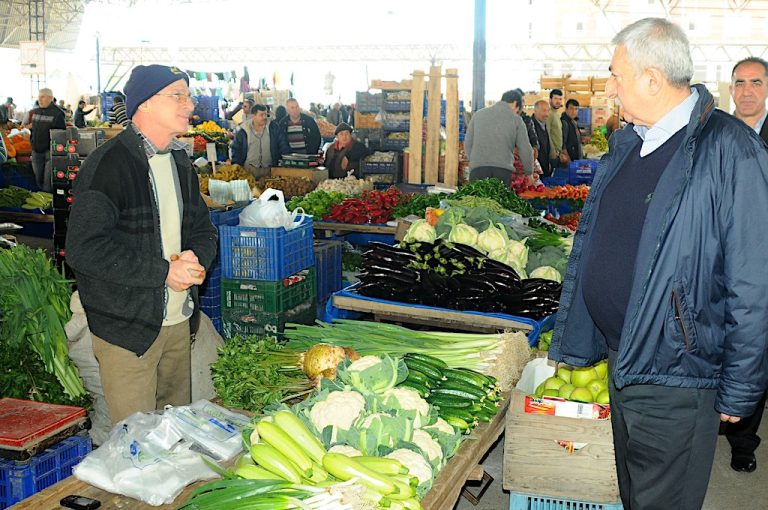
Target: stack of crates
(69, 148)
(210, 291)
(268, 279)
(22, 479)
(207, 108)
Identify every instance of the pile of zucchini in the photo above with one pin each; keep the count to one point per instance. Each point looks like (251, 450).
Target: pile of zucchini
(463, 397)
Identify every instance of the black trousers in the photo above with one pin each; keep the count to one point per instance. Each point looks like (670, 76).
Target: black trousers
(665, 440)
(742, 435)
(486, 172)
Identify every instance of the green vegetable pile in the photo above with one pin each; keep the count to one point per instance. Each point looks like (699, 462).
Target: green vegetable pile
(495, 189)
(13, 196)
(479, 202)
(34, 306)
(417, 204)
(318, 203)
(251, 373)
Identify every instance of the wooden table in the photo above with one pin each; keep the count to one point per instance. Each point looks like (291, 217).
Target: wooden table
(329, 228)
(444, 494)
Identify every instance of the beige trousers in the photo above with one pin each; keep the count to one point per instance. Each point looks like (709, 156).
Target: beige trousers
(141, 384)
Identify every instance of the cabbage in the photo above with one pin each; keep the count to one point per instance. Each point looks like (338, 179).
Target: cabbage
(548, 273)
(463, 234)
(420, 231)
(492, 238)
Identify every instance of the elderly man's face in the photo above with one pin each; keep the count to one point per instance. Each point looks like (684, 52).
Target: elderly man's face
(541, 112)
(293, 110)
(170, 108)
(344, 138)
(749, 88)
(44, 100)
(627, 87)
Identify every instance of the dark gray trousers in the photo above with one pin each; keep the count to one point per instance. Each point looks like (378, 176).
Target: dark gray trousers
(486, 172)
(665, 440)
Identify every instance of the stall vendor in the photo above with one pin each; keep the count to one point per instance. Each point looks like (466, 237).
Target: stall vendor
(344, 154)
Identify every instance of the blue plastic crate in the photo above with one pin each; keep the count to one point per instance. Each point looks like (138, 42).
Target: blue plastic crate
(360, 239)
(216, 325)
(585, 117)
(393, 144)
(22, 479)
(395, 125)
(519, 501)
(328, 265)
(582, 171)
(272, 254)
(396, 105)
(367, 102)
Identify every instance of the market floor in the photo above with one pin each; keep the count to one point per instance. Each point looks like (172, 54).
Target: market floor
(727, 488)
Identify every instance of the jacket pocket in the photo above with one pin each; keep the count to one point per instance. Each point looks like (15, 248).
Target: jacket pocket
(682, 317)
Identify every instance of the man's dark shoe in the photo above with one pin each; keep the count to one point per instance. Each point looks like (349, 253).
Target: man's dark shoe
(743, 463)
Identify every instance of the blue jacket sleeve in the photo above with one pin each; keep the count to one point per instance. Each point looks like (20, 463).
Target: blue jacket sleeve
(274, 143)
(240, 147)
(282, 139)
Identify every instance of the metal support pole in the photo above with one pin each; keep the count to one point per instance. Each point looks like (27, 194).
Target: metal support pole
(478, 58)
(98, 67)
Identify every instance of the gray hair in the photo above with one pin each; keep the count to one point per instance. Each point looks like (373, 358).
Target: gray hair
(45, 92)
(660, 44)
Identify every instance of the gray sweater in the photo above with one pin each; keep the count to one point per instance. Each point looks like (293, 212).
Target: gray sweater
(493, 134)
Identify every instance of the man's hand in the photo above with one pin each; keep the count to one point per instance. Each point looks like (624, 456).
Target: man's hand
(730, 419)
(184, 271)
(344, 163)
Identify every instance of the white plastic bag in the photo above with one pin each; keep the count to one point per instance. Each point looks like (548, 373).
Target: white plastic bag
(269, 211)
(213, 427)
(147, 458)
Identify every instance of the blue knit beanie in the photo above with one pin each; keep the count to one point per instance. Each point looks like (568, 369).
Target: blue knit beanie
(146, 81)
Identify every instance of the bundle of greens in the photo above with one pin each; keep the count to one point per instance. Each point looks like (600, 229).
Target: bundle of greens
(495, 189)
(34, 306)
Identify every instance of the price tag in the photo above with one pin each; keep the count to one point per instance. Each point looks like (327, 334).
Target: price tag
(210, 151)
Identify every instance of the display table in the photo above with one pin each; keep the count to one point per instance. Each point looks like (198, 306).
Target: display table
(330, 228)
(316, 175)
(444, 493)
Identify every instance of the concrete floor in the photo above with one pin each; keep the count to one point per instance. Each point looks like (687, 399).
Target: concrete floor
(727, 488)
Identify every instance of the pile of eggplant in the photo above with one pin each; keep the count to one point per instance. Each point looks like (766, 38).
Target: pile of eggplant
(454, 276)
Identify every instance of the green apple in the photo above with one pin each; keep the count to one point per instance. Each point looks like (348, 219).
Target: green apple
(581, 395)
(597, 386)
(553, 383)
(539, 390)
(602, 369)
(566, 390)
(603, 398)
(564, 373)
(580, 377)
(551, 393)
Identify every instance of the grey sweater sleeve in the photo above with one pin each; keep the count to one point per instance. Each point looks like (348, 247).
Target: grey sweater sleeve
(523, 145)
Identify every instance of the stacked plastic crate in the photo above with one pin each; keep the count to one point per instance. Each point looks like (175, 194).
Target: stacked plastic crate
(368, 105)
(328, 268)
(268, 279)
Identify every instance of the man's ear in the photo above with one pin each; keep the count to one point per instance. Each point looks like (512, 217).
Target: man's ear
(655, 80)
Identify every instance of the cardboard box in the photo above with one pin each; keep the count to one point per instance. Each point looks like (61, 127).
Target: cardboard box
(316, 175)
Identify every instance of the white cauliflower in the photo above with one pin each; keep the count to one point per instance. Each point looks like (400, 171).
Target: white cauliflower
(340, 409)
(363, 363)
(442, 426)
(416, 464)
(407, 399)
(345, 450)
(429, 446)
(370, 419)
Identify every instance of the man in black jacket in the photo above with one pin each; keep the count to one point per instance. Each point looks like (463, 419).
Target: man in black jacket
(139, 241)
(45, 117)
(298, 132)
(571, 134)
(540, 117)
(749, 89)
(80, 113)
(345, 154)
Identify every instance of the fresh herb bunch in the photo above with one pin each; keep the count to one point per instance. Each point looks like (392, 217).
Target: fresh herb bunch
(252, 373)
(34, 306)
(417, 204)
(318, 203)
(495, 189)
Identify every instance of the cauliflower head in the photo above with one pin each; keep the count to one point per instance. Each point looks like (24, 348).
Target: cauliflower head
(442, 426)
(363, 363)
(407, 399)
(416, 464)
(429, 446)
(339, 409)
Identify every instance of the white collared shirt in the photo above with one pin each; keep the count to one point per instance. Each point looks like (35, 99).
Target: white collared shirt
(679, 117)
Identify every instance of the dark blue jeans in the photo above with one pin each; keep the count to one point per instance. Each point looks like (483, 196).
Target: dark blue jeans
(41, 164)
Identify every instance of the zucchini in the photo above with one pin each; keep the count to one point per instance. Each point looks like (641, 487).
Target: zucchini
(458, 393)
(462, 386)
(475, 379)
(457, 422)
(483, 417)
(449, 401)
(419, 378)
(425, 358)
(478, 377)
(422, 390)
(424, 368)
(490, 407)
(464, 414)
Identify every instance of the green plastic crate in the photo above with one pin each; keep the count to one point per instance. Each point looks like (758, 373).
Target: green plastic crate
(244, 296)
(265, 324)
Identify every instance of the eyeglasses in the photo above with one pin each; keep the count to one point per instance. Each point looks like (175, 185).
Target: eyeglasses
(180, 98)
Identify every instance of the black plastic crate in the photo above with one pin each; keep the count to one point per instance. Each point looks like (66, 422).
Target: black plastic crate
(381, 167)
(62, 196)
(393, 144)
(367, 102)
(60, 221)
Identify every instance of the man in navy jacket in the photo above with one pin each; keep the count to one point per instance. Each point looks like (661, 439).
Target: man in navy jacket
(667, 277)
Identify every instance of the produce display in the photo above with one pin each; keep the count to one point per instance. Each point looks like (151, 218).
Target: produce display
(567, 192)
(226, 173)
(34, 306)
(13, 196)
(290, 186)
(317, 204)
(495, 189)
(327, 130)
(587, 384)
(381, 157)
(569, 221)
(597, 143)
(417, 204)
(349, 186)
(372, 207)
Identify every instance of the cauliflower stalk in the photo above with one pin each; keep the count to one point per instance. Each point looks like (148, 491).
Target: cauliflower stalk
(446, 436)
(429, 447)
(417, 466)
(338, 410)
(407, 402)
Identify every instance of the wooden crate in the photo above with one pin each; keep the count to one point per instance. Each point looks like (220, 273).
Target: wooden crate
(583, 85)
(552, 82)
(584, 99)
(366, 121)
(535, 463)
(598, 84)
